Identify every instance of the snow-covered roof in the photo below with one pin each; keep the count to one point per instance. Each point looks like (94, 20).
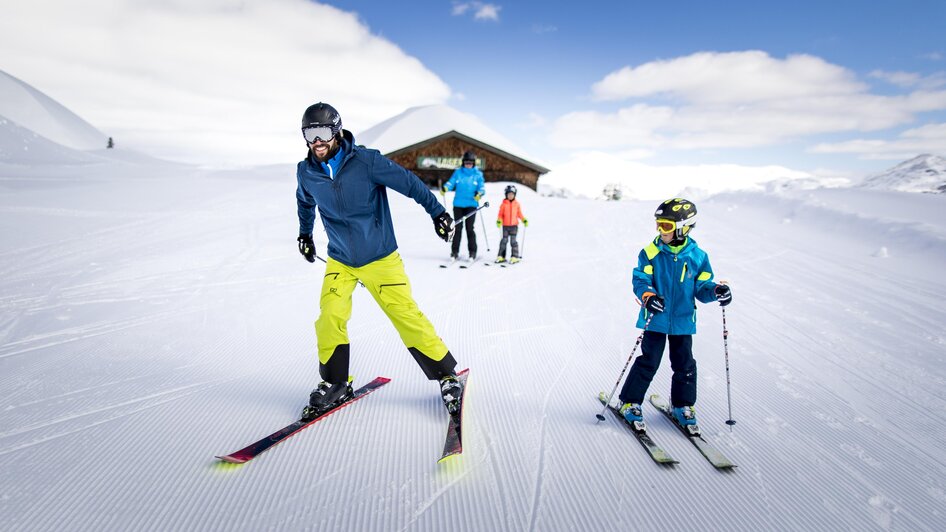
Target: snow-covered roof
(422, 123)
(33, 110)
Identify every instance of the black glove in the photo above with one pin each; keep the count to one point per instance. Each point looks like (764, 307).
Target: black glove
(723, 294)
(654, 304)
(443, 224)
(306, 247)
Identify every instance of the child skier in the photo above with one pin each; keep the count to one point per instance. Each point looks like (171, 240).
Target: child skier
(510, 212)
(671, 272)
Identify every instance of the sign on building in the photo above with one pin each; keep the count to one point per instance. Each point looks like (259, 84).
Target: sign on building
(433, 162)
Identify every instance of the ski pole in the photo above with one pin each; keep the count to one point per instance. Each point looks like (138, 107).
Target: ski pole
(459, 221)
(522, 245)
(464, 217)
(729, 421)
(628, 363)
(484, 233)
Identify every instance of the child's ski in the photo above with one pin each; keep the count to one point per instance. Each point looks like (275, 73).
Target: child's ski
(708, 450)
(656, 452)
(454, 442)
(469, 262)
(449, 263)
(253, 450)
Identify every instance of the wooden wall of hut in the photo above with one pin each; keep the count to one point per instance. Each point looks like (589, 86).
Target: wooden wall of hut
(497, 167)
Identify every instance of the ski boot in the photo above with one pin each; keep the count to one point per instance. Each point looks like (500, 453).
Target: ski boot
(500, 260)
(633, 415)
(514, 260)
(685, 416)
(326, 397)
(451, 391)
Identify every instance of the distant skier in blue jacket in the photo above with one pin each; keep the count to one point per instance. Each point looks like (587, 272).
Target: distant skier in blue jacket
(348, 185)
(470, 186)
(672, 271)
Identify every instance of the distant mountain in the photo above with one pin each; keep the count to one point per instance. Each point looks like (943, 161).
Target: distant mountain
(21, 146)
(36, 112)
(923, 173)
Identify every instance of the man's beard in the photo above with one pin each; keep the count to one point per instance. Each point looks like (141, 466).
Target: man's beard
(328, 154)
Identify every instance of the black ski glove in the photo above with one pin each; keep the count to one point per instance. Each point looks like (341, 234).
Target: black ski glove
(443, 224)
(654, 304)
(723, 294)
(306, 247)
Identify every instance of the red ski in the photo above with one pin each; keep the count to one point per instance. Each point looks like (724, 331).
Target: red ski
(253, 450)
(454, 442)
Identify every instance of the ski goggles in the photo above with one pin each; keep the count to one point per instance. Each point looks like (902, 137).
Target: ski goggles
(666, 226)
(314, 133)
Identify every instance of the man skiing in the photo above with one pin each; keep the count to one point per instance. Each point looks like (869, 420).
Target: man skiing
(510, 212)
(671, 272)
(348, 185)
(470, 186)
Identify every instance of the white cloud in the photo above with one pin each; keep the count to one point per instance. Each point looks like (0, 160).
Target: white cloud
(729, 78)
(211, 80)
(911, 79)
(734, 100)
(480, 10)
(930, 138)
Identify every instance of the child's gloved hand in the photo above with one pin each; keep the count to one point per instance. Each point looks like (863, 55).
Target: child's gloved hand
(525, 222)
(477, 196)
(499, 223)
(723, 294)
(654, 304)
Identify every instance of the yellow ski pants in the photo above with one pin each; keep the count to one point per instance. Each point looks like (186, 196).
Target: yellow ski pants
(388, 284)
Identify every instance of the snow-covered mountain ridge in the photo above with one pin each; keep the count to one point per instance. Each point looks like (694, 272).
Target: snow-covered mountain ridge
(923, 173)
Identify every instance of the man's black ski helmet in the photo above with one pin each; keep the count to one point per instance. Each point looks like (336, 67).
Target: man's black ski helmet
(510, 188)
(469, 156)
(680, 211)
(322, 114)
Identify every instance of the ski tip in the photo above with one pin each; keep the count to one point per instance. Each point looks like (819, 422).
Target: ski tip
(231, 459)
(382, 380)
(462, 372)
(447, 458)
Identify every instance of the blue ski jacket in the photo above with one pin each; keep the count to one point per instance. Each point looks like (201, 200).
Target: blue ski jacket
(354, 204)
(468, 182)
(679, 278)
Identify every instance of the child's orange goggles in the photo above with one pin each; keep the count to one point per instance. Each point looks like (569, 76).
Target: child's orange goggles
(666, 226)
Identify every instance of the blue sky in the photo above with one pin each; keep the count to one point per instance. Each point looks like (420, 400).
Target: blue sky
(543, 58)
(836, 87)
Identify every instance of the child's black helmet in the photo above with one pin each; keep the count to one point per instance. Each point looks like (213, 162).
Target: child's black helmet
(678, 215)
(469, 156)
(510, 188)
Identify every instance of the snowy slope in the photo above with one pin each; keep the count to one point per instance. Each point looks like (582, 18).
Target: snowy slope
(34, 110)
(150, 323)
(923, 173)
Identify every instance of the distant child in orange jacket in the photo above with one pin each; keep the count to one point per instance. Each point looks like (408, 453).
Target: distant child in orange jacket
(510, 212)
